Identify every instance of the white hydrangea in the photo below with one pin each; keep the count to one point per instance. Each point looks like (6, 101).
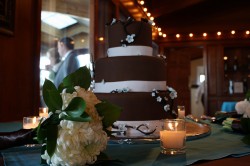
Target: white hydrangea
(79, 143)
(243, 107)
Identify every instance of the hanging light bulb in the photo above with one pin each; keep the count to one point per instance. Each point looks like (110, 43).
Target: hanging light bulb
(142, 2)
(233, 32)
(148, 14)
(178, 35)
(191, 35)
(145, 9)
(164, 35)
(218, 33)
(204, 34)
(159, 29)
(152, 18)
(247, 32)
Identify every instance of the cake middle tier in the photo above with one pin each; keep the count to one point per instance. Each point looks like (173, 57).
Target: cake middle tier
(139, 73)
(136, 105)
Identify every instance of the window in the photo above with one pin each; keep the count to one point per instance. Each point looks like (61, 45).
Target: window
(64, 18)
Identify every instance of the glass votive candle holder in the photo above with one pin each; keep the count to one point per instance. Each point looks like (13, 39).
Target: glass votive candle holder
(43, 112)
(173, 136)
(31, 122)
(181, 111)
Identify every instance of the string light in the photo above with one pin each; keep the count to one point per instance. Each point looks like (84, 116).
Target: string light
(142, 2)
(101, 38)
(191, 35)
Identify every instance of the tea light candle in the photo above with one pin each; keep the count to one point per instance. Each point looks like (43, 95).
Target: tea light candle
(181, 112)
(43, 112)
(172, 139)
(30, 122)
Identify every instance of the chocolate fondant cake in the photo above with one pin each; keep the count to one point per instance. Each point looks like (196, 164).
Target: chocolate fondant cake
(130, 73)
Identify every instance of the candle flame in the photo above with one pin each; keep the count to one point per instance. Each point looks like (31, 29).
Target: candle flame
(34, 120)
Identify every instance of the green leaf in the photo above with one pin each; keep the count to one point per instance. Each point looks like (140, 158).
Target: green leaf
(248, 95)
(51, 96)
(42, 129)
(52, 132)
(80, 77)
(41, 134)
(246, 139)
(245, 123)
(76, 107)
(109, 112)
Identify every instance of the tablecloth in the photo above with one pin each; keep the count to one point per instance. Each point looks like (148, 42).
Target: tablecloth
(215, 146)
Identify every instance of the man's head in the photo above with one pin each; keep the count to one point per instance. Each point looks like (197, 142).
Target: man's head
(64, 45)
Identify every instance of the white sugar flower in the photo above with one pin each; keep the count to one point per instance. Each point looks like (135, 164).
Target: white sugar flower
(130, 38)
(167, 107)
(113, 21)
(158, 99)
(153, 94)
(173, 95)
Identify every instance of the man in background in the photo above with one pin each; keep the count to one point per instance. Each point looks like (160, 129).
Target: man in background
(69, 59)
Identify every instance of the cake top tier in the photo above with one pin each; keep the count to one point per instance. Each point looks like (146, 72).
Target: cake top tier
(129, 33)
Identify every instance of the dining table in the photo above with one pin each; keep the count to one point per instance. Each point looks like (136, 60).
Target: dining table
(218, 147)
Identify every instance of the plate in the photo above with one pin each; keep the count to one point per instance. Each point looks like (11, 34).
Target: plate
(128, 129)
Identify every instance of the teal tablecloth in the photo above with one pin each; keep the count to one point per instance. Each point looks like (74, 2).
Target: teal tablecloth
(215, 146)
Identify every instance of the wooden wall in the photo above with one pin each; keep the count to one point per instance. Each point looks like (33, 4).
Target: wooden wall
(19, 64)
(213, 52)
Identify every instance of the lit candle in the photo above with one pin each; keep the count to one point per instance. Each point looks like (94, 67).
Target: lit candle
(30, 122)
(181, 112)
(173, 136)
(172, 139)
(43, 112)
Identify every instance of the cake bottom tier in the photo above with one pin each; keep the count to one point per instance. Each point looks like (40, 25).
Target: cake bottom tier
(136, 105)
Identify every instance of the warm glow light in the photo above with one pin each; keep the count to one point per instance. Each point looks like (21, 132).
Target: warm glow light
(191, 35)
(204, 34)
(160, 33)
(153, 23)
(148, 14)
(101, 38)
(164, 35)
(232, 32)
(178, 35)
(82, 40)
(247, 32)
(159, 29)
(152, 18)
(145, 9)
(219, 33)
(142, 2)
(225, 58)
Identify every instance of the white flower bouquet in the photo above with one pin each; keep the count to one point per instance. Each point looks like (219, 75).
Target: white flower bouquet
(75, 133)
(243, 108)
